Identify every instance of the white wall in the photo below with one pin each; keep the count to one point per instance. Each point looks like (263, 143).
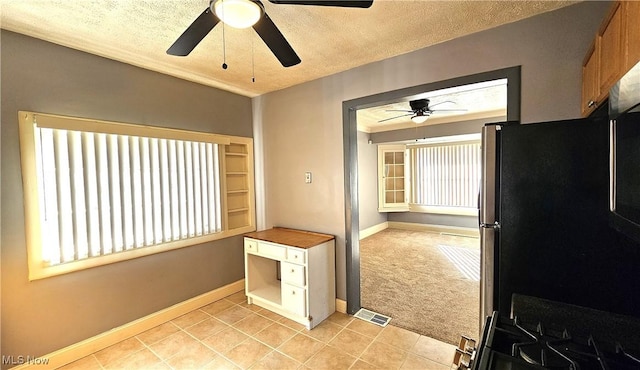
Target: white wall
(302, 125)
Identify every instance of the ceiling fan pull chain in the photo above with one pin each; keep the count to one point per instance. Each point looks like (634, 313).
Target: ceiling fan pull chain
(253, 65)
(224, 49)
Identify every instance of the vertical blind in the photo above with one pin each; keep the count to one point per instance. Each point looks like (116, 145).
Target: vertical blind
(446, 175)
(105, 193)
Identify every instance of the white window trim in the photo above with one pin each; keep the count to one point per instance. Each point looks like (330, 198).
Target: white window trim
(27, 123)
(457, 211)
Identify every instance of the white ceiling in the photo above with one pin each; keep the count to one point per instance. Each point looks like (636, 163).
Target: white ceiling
(328, 40)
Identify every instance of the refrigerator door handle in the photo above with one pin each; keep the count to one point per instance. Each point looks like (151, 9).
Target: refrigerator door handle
(488, 220)
(489, 172)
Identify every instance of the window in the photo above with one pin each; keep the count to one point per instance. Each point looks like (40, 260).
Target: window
(101, 192)
(445, 175)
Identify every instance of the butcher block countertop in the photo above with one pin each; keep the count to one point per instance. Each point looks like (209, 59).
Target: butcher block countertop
(291, 237)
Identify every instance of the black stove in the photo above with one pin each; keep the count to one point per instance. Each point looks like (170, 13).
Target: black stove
(551, 335)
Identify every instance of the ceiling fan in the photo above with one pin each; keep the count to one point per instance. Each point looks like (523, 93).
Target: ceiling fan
(250, 13)
(420, 110)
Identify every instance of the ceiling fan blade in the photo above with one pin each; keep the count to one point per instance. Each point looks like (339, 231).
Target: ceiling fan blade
(399, 110)
(447, 110)
(389, 119)
(340, 3)
(193, 34)
(274, 39)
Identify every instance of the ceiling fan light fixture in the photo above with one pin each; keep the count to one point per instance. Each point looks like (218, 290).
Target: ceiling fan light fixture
(237, 13)
(419, 117)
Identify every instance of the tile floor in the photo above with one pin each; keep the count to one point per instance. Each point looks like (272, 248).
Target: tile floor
(230, 334)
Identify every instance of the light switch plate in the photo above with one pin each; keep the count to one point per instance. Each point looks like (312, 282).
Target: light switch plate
(307, 177)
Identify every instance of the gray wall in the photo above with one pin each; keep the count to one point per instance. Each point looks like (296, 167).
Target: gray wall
(549, 47)
(435, 219)
(368, 183)
(41, 316)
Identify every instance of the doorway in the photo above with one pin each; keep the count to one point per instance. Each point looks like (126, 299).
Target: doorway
(352, 226)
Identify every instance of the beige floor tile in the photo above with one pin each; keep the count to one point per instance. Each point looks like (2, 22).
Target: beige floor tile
(158, 333)
(325, 332)
(434, 350)
(351, 342)
(361, 365)
(384, 356)
(220, 363)
(217, 307)
(172, 344)
(301, 347)
(399, 337)
(233, 314)
(86, 363)
(192, 356)
(330, 358)
(340, 318)
(238, 297)
(229, 334)
(247, 353)
(276, 361)
(291, 324)
(226, 339)
(275, 334)
(206, 328)
(118, 351)
(252, 324)
(364, 327)
(252, 307)
(415, 362)
(143, 359)
(266, 313)
(191, 318)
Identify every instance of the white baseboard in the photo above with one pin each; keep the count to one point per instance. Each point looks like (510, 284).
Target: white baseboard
(373, 229)
(453, 230)
(341, 306)
(79, 350)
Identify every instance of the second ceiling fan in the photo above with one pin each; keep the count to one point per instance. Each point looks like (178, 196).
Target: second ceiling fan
(420, 110)
(250, 13)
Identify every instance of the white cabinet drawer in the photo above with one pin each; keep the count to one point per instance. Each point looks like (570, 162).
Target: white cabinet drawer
(294, 299)
(293, 274)
(272, 250)
(297, 255)
(251, 246)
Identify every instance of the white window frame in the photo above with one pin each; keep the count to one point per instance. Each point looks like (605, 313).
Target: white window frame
(29, 121)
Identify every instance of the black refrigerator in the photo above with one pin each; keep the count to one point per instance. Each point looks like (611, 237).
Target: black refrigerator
(544, 219)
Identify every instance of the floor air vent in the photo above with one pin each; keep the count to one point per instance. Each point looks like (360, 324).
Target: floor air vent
(372, 317)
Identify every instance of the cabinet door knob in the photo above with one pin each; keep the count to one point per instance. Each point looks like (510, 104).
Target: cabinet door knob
(292, 270)
(293, 292)
(591, 103)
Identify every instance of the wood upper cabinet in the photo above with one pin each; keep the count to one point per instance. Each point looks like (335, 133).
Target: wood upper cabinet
(615, 49)
(590, 83)
(632, 37)
(610, 40)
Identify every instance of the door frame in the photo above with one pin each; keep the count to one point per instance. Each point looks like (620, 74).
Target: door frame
(350, 146)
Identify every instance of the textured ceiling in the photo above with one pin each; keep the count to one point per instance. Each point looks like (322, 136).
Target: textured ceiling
(328, 40)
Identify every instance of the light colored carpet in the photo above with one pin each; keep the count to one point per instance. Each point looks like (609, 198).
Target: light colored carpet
(426, 282)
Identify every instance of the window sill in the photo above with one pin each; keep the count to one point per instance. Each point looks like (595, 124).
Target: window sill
(455, 211)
